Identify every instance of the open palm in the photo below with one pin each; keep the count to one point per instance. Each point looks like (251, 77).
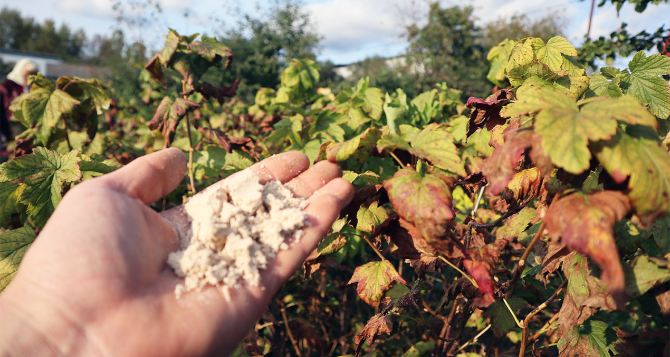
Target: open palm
(97, 271)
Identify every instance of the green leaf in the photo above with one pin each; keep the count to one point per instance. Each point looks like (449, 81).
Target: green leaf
(9, 195)
(371, 218)
(552, 52)
(479, 140)
(96, 165)
(13, 245)
(209, 48)
(374, 103)
(499, 56)
(421, 348)
(593, 338)
(644, 275)
(358, 146)
(566, 130)
(637, 154)
(235, 161)
(646, 84)
(45, 107)
(43, 174)
(287, 129)
(502, 320)
(435, 144)
(600, 85)
(373, 279)
(394, 108)
(516, 225)
(424, 201)
(171, 43)
(86, 90)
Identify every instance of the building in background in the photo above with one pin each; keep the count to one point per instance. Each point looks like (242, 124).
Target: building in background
(49, 65)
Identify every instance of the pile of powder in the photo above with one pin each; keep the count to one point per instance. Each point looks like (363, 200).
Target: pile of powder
(236, 228)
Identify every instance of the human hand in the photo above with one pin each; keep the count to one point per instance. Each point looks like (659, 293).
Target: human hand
(95, 281)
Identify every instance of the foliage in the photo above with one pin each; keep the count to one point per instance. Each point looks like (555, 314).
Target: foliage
(263, 47)
(547, 200)
(447, 49)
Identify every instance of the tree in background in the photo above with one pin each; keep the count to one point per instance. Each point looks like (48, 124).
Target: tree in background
(449, 49)
(621, 43)
(520, 26)
(263, 47)
(25, 34)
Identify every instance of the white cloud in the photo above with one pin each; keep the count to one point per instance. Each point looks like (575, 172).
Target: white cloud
(99, 8)
(351, 29)
(346, 24)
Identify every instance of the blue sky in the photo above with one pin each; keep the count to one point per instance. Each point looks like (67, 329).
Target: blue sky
(350, 29)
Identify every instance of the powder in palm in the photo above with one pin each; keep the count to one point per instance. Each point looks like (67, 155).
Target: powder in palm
(236, 229)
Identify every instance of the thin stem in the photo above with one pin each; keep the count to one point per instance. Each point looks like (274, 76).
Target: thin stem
(465, 275)
(509, 308)
(522, 262)
(190, 154)
(289, 332)
(396, 159)
(474, 339)
(543, 329)
(479, 199)
(67, 135)
(537, 310)
(379, 254)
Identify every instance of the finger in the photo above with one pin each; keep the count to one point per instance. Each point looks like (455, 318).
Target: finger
(308, 182)
(323, 208)
(282, 167)
(149, 177)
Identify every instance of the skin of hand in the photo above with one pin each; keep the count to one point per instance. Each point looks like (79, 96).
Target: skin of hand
(95, 281)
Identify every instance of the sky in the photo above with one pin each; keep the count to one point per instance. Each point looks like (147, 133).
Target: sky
(350, 30)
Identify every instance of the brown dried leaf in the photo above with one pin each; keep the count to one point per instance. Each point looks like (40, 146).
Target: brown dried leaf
(586, 224)
(377, 325)
(585, 294)
(525, 184)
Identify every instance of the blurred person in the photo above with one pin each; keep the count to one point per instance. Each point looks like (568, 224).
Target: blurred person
(15, 85)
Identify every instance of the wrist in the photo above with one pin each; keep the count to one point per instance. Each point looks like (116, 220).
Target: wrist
(33, 329)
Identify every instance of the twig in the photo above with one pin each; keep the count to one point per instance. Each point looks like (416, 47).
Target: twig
(509, 308)
(499, 220)
(190, 154)
(396, 159)
(379, 254)
(479, 199)
(474, 339)
(544, 328)
(537, 310)
(288, 331)
(465, 275)
(522, 262)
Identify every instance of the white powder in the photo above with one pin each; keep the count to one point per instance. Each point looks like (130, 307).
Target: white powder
(235, 230)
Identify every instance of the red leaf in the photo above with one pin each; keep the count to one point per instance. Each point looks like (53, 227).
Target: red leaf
(502, 164)
(486, 112)
(424, 201)
(586, 224)
(480, 272)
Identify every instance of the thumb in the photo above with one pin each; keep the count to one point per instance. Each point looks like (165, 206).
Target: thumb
(149, 177)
